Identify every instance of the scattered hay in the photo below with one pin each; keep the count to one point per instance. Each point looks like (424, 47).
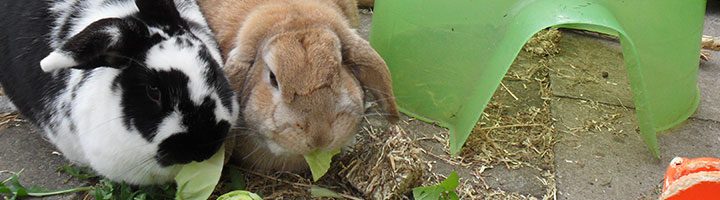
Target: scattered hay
(9, 119)
(705, 55)
(517, 134)
(606, 122)
(544, 43)
(512, 140)
(286, 184)
(280, 185)
(381, 165)
(387, 166)
(710, 43)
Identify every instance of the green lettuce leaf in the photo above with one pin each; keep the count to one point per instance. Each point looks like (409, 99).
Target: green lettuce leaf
(319, 162)
(239, 195)
(444, 190)
(197, 180)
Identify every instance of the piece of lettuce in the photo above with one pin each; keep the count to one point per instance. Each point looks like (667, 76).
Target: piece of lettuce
(444, 190)
(197, 180)
(239, 195)
(319, 162)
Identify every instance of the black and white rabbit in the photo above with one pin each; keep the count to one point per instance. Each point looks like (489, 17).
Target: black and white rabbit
(131, 88)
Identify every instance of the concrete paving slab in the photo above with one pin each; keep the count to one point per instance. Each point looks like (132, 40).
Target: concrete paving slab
(610, 161)
(520, 181)
(590, 68)
(709, 75)
(25, 149)
(709, 83)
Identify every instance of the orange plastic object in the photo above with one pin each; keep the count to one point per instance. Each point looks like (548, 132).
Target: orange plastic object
(697, 178)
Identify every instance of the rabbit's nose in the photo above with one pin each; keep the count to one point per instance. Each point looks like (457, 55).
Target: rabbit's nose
(320, 141)
(301, 126)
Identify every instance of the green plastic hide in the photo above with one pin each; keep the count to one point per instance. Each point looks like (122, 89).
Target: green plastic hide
(447, 57)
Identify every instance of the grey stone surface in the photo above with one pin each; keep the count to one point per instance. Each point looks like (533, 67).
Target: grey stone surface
(612, 161)
(709, 83)
(590, 68)
(23, 148)
(709, 78)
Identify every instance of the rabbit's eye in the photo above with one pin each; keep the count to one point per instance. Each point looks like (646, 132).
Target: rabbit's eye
(273, 80)
(154, 94)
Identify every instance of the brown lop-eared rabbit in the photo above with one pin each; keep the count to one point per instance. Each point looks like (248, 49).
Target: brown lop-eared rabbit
(299, 69)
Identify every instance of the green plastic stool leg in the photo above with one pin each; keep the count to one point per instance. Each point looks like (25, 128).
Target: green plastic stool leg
(447, 57)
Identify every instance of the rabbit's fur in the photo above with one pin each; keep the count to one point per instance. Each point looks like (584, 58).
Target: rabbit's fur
(300, 70)
(133, 89)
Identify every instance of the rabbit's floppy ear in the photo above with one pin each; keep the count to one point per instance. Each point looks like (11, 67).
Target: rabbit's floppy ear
(102, 43)
(237, 69)
(370, 69)
(242, 57)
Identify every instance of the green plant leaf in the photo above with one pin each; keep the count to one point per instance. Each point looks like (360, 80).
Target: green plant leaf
(44, 193)
(239, 195)
(451, 182)
(445, 190)
(319, 162)
(237, 179)
(317, 192)
(427, 192)
(197, 180)
(81, 173)
(5, 190)
(103, 190)
(142, 196)
(14, 189)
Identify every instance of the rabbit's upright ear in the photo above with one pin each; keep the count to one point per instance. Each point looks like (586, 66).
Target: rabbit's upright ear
(160, 12)
(370, 69)
(105, 43)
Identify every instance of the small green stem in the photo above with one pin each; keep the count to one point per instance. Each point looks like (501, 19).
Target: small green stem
(73, 190)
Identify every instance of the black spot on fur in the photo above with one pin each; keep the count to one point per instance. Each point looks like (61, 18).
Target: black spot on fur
(161, 13)
(66, 110)
(199, 143)
(203, 136)
(68, 22)
(94, 47)
(217, 79)
(115, 85)
(141, 111)
(83, 77)
(73, 128)
(25, 25)
(180, 42)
